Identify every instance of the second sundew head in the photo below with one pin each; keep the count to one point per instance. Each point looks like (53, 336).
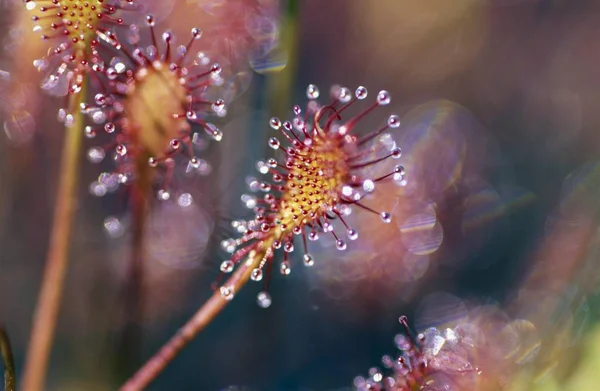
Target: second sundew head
(153, 93)
(434, 360)
(321, 176)
(151, 97)
(72, 27)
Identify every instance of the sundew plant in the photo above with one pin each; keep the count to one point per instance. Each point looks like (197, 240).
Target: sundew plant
(286, 195)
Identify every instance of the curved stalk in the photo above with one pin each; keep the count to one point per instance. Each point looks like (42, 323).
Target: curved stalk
(48, 305)
(209, 310)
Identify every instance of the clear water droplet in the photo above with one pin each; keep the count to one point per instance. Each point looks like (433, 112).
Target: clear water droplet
(263, 299)
(368, 186)
(312, 91)
(185, 200)
(196, 33)
(352, 234)
(308, 260)
(285, 268)
(227, 292)
(393, 121)
(150, 20)
(163, 195)
(385, 217)
(228, 245)
(288, 247)
(274, 143)
(227, 266)
(275, 123)
(383, 98)
(361, 92)
(257, 274)
(96, 154)
(113, 226)
(213, 132)
(344, 95)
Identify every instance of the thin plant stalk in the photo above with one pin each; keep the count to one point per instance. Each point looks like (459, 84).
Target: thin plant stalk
(133, 298)
(49, 301)
(9, 363)
(203, 317)
(280, 88)
(281, 83)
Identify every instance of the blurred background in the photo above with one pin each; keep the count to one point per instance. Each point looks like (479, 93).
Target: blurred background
(499, 215)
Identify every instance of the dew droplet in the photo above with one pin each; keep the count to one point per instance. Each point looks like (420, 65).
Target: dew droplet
(352, 234)
(100, 99)
(227, 266)
(399, 170)
(312, 91)
(98, 116)
(248, 200)
(213, 131)
(150, 21)
(89, 132)
(262, 167)
(219, 107)
(196, 33)
(113, 227)
(263, 299)
(383, 98)
(308, 260)
(194, 162)
(257, 274)
(361, 92)
(340, 244)
(163, 195)
(185, 200)
(227, 293)
(228, 245)
(69, 120)
(344, 95)
(288, 247)
(396, 153)
(97, 189)
(368, 186)
(96, 154)
(109, 127)
(274, 143)
(393, 121)
(285, 268)
(385, 217)
(121, 150)
(275, 123)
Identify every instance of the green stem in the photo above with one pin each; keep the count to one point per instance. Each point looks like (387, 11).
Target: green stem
(281, 83)
(9, 363)
(48, 306)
